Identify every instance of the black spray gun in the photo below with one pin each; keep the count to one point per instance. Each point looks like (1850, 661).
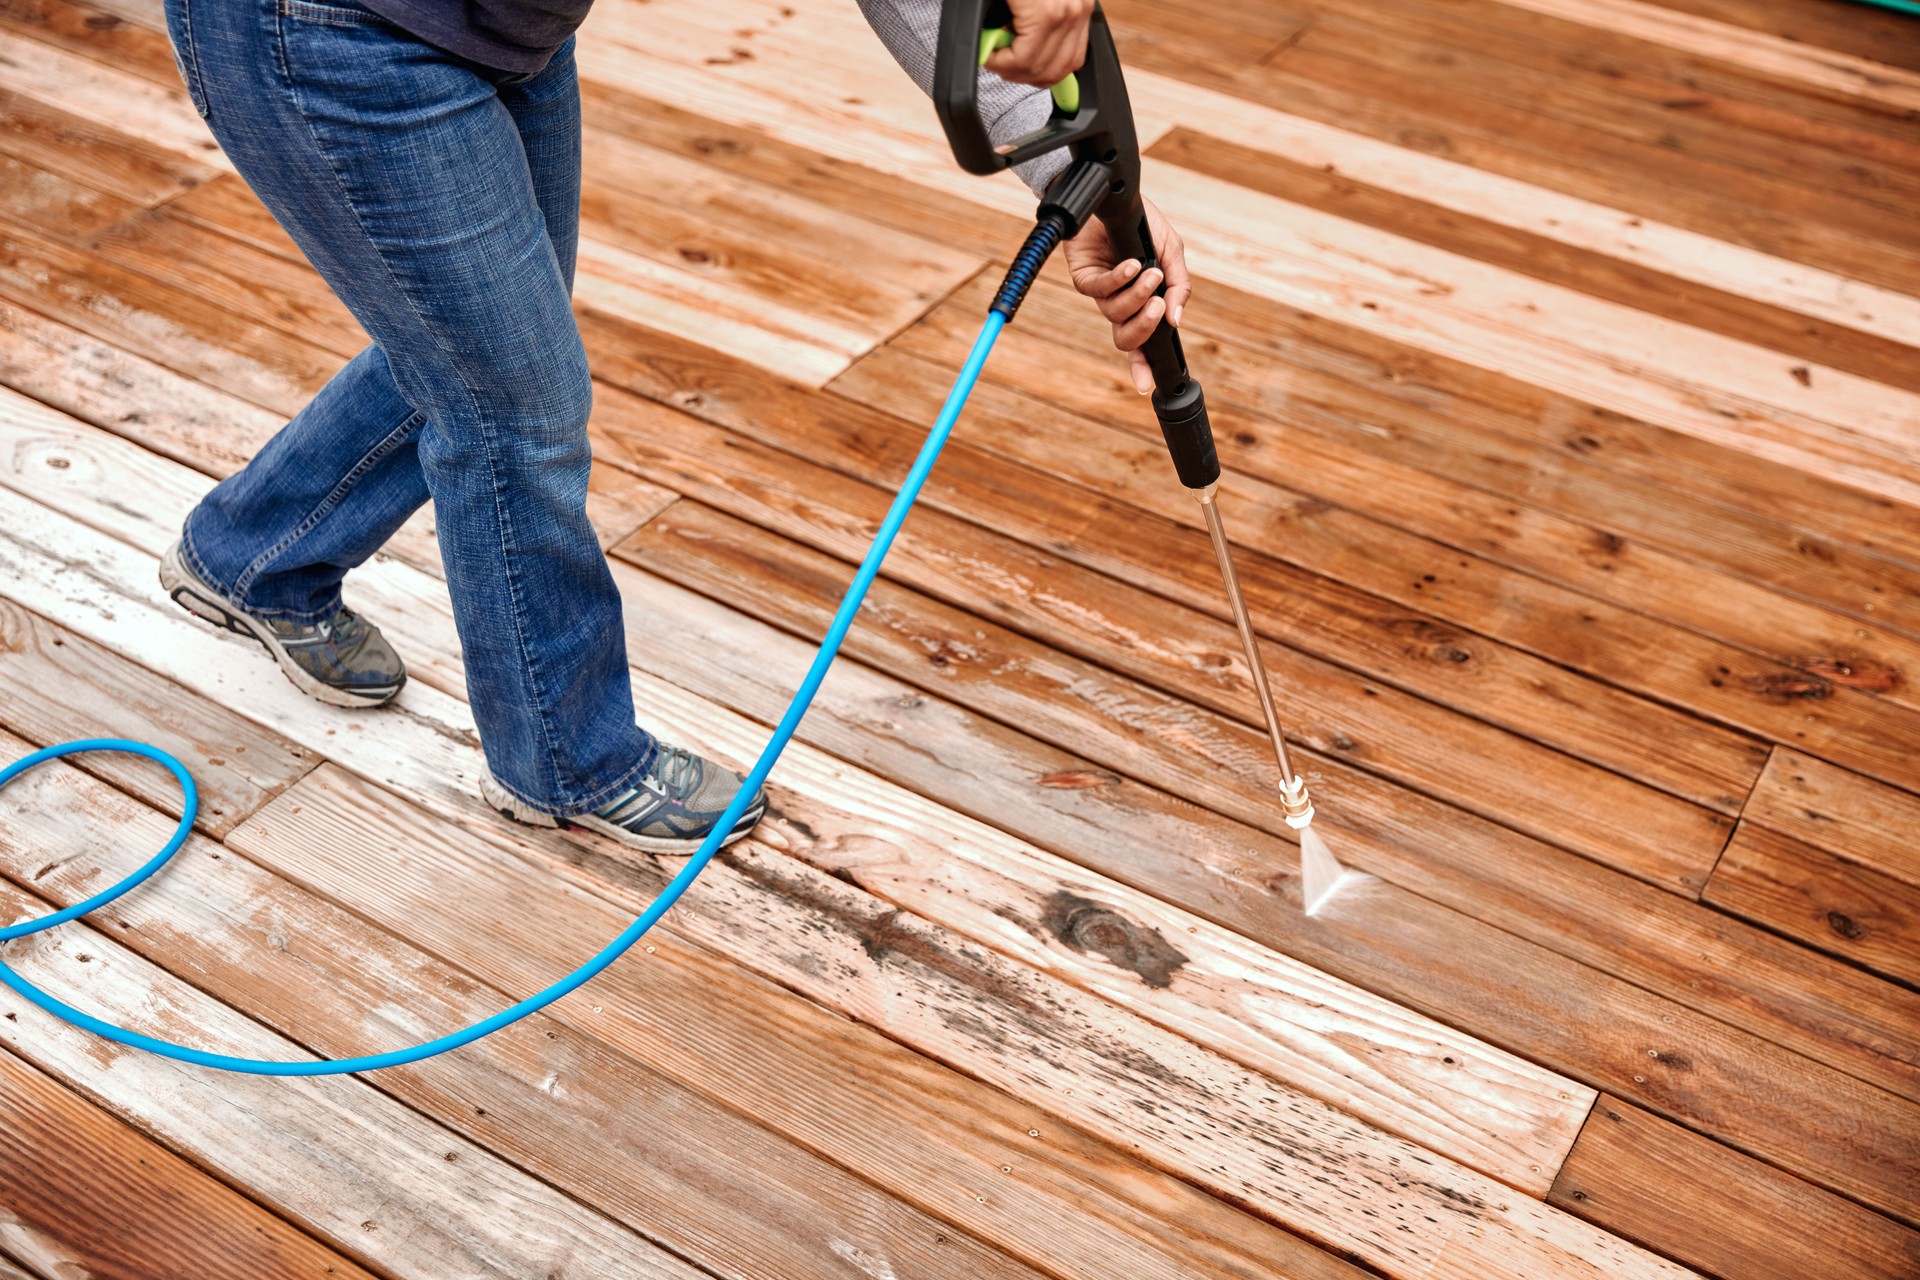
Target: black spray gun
(1093, 120)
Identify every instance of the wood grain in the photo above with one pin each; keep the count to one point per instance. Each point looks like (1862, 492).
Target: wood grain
(1738, 1219)
(88, 1195)
(1339, 443)
(61, 686)
(724, 1193)
(905, 978)
(1862, 821)
(1081, 802)
(1078, 551)
(1825, 901)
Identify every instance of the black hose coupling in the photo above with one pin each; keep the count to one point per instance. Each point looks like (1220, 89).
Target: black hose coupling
(1045, 237)
(1069, 202)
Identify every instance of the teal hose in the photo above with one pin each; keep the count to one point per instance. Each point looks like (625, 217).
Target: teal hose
(782, 734)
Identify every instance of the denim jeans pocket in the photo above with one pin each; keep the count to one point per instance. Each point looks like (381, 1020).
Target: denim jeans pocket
(180, 33)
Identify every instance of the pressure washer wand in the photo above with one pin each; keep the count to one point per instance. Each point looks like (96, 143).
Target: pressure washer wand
(1093, 119)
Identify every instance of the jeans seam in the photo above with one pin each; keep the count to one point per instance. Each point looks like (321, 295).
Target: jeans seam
(189, 63)
(393, 440)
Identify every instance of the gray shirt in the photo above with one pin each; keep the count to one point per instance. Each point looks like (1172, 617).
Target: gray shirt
(521, 36)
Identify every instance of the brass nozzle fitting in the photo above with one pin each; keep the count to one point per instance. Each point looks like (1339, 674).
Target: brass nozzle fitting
(1295, 803)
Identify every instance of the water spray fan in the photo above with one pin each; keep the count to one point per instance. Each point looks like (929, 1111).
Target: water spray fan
(1093, 120)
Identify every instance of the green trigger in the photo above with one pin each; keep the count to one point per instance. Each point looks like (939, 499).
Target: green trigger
(1066, 94)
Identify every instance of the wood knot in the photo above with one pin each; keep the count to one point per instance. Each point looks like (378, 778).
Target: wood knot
(1846, 926)
(1093, 929)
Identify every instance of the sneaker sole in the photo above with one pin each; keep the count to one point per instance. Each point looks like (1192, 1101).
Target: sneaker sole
(197, 598)
(508, 805)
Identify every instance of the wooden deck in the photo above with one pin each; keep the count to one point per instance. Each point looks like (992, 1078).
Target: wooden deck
(1563, 355)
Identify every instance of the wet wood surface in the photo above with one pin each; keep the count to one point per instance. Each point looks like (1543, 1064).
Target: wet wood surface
(1561, 353)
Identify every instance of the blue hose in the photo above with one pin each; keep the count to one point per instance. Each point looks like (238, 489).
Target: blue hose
(802, 699)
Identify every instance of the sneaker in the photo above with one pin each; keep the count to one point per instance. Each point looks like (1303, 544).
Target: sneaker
(343, 660)
(672, 810)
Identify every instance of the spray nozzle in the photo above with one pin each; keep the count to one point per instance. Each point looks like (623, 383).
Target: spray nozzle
(1295, 804)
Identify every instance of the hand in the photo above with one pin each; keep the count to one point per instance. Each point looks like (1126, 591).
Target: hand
(1049, 41)
(1125, 294)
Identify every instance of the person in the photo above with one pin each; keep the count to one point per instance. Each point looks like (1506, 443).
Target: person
(425, 157)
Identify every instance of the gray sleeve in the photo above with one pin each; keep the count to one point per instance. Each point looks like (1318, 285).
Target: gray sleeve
(911, 30)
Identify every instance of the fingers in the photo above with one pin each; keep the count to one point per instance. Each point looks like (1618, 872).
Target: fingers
(1097, 280)
(1049, 40)
(1128, 334)
(1125, 303)
(1140, 372)
(1174, 260)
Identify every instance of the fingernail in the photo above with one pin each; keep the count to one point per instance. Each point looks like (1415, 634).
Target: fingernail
(1156, 275)
(1132, 269)
(1175, 317)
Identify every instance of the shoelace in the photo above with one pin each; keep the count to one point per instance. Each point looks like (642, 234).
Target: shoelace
(678, 770)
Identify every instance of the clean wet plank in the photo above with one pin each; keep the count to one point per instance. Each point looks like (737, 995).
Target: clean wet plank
(87, 1195)
(1719, 1211)
(1820, 898)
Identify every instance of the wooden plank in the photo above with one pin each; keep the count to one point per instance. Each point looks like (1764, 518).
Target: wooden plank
(1877, 35)
(722, 1192)
(1862, 821)
(435, 758)
(1822, 899)
(94, 33)
(94, 155)
(1383, 730)
(882, 962)
(1516, 883)
(129, 395)
(242, 282)
(1539, 212)
(782, 246)
(109, 97)
(1711, 1208)
(1624, 648)
(1263, 409)
(1821, 158)
(53, 204)
(385, 1182)
(1071, 1204)
(426, 743)
(614, 110)
(206, 429)
(139, 315)
(1830, 70)
(1558, 338)
(61, 686)
(1452, 1095)
(1081, 801)
(1877, 347)
(1717, 389)
(89, 1196)
(1522, 1137)
(1094, 554)
(1284, 383)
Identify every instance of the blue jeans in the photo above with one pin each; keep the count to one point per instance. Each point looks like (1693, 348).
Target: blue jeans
(441, 201)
